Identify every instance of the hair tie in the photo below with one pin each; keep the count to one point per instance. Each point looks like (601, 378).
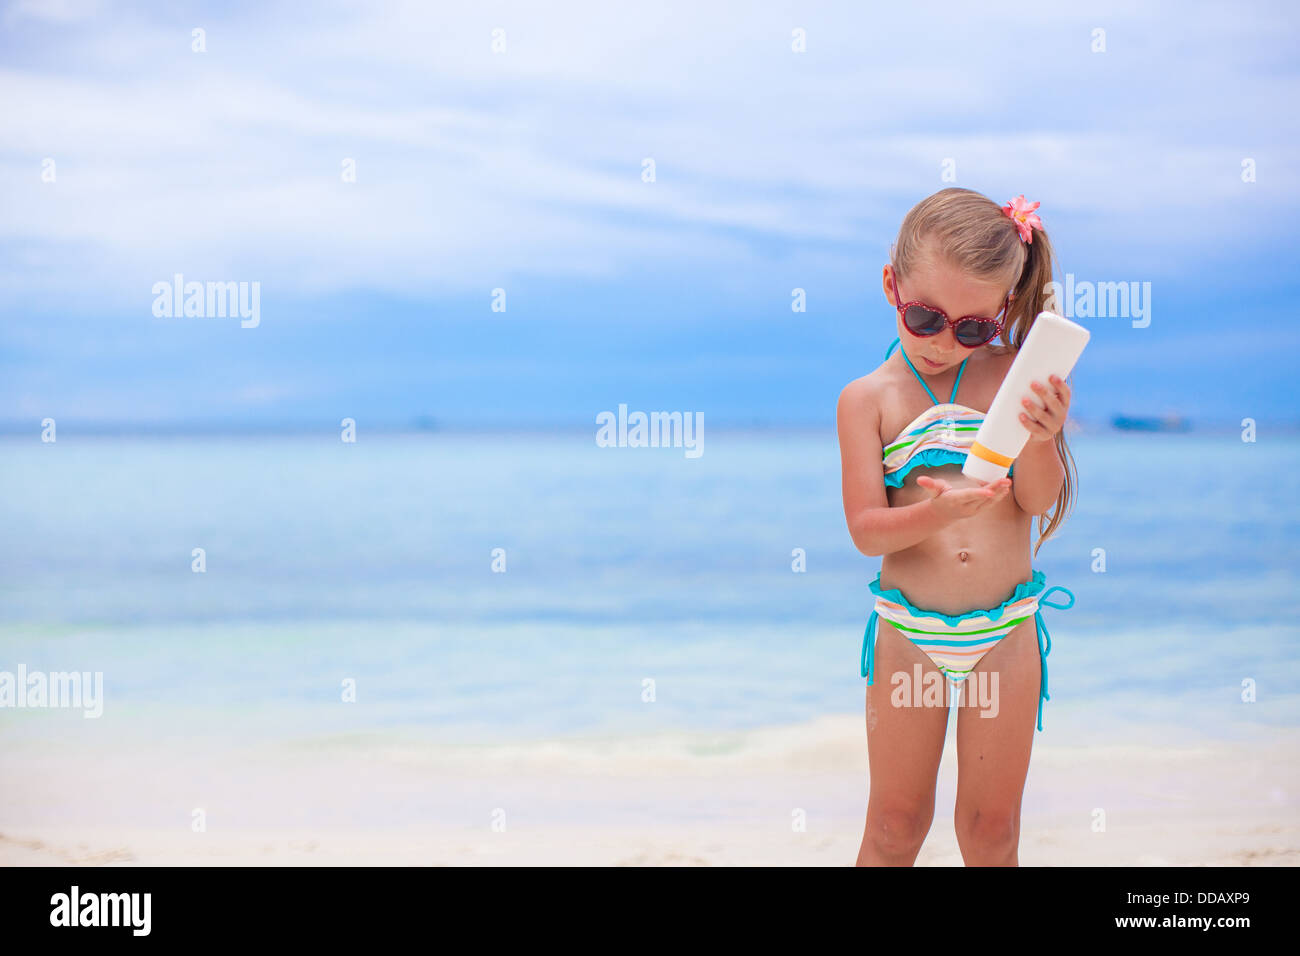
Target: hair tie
(1023, 215)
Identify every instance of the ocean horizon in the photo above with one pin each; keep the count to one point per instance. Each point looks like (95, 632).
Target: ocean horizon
(326, 562)
(427, 425)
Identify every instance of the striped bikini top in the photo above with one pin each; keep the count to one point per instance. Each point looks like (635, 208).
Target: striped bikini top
(941, 435)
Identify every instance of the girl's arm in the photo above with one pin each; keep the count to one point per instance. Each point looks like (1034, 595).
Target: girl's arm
(875, 527)
(1039, 472)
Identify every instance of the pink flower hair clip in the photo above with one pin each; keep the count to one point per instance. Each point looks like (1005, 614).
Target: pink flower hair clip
(1023, 215)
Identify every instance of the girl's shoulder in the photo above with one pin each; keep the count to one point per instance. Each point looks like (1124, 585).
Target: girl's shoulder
(863, 400)
(860, 400)
(867, 389)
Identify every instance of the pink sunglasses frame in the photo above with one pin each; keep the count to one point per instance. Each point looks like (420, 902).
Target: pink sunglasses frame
(951, 323)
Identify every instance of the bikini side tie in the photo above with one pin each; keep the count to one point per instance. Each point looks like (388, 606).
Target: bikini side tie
(1040, 627)
(869, 650)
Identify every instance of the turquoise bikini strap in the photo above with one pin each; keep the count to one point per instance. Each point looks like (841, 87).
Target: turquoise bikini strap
(1041, 630)
(869, 650)
(955, 384)
(918, 378)
(1045, 641)
(1042, 598)
(958, 382)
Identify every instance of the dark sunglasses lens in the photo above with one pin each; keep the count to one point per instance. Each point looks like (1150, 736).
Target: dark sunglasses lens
(972, 333)
(921, 321)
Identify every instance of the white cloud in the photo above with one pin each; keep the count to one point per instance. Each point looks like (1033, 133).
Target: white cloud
(474, 166)
(54, 11)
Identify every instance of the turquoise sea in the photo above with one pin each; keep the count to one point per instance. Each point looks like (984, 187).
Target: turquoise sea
(373, 562)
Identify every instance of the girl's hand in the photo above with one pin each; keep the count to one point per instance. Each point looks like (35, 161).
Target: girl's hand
(1043, 422)
(955, 503)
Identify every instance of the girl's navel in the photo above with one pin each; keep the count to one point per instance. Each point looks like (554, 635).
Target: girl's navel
(962, 555)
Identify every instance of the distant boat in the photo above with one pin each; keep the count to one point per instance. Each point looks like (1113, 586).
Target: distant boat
(1151, 423)
(424, 423)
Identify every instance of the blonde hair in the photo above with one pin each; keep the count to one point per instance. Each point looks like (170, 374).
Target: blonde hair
(972, 233)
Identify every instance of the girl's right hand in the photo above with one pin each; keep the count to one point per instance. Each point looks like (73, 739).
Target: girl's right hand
(954, 503)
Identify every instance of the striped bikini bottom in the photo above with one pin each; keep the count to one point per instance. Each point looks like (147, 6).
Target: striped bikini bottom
(957, 642)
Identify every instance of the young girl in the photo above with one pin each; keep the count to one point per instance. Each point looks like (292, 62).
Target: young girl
(957, 598)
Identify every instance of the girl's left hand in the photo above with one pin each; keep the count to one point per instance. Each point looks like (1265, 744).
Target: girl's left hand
(1044, 422)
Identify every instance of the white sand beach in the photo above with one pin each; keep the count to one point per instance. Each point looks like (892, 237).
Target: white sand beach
(718, 799)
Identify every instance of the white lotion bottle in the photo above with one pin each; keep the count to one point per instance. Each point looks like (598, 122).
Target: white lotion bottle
(1052, 347)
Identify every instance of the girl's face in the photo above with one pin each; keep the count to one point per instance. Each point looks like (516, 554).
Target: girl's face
(939, 284)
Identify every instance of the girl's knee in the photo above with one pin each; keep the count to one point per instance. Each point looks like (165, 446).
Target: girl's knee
(994, 831)
(899, 830)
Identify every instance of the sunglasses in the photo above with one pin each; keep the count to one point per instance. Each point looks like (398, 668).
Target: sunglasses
(923, 320)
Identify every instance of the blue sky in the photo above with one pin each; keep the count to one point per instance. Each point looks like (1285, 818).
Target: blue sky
(522, 169)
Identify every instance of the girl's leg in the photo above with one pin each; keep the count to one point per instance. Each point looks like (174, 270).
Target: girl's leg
(904, 744)
(993, 752)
